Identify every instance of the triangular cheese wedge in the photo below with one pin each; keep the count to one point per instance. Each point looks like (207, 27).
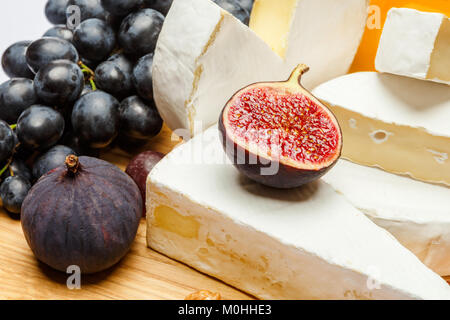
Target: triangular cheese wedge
(204, 55)
(416, 213)
(396, 123)
(305, 243)
(415, 44)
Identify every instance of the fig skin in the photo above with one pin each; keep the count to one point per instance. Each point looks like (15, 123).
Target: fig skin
(287, 176)
(85, 213)
(139, 168)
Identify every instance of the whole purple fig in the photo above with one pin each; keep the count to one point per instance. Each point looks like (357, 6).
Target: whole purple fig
(85, 213)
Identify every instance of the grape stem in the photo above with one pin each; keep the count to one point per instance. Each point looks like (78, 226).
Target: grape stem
(6, 167)
(92, 82)
(89, 74)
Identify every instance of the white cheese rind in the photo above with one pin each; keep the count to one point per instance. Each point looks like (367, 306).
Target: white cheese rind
(392, 122)
(417, 214)
(204, 55)
(408, 42)
(306, 243)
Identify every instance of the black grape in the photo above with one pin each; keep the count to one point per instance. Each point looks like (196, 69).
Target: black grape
(95, 118)
(142, 77)
(139, 119)
(246, 4)
(40, 127)
(235, 9)
(110, 78)
(55, 10)
(162, 6)
(50, 160)
(14, 62)
(13, 192)
(45, 50)
(94, 39)
(90, 9)
(139, 32)
(18, 168)
(16, 95)
(7, 142)
(121, 7)
(122, 62)
(59, 83)
(60, 31)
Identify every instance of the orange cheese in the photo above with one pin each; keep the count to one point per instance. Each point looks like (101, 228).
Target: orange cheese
(365, 58)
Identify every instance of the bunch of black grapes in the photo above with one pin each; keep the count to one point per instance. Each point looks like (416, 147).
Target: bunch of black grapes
(81, 88)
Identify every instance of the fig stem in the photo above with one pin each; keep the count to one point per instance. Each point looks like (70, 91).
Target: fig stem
(72, 163)
(296, 75)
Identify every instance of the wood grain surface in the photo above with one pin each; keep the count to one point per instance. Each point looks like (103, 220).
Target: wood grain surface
(143, 274)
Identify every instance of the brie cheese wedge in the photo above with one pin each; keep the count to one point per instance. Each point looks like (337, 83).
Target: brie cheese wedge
(204, 55)
(398, 124)
(414, 212)
(415, 44)
(305, 243)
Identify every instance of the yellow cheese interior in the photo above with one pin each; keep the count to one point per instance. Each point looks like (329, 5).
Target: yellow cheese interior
(271, 21)
(365, 58)
(395, 148)
(440, 58)
(171, 220)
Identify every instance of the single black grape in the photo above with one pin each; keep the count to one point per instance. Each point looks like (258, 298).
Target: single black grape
(7, 142)
(94, 39)
(246, 4)
(13, 191)
(90, 9)
(14, 62)
(40, 127)
(139, 32)
(139, 119)
(235, 9)
(51, 159)
(60, 31)
(122, 61)
(95, 118)
(59, 83)
(45, 50)
(162, 6)
(16, 95)
(55, 10)
(19, 168)
(142, 77)
(121, 7)
(110, 78)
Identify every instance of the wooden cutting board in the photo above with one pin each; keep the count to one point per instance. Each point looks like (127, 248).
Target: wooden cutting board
(142, 274)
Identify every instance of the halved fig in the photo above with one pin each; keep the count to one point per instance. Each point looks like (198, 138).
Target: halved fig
(279, 134)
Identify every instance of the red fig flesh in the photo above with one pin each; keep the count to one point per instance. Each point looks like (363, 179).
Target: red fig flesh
(279, 134)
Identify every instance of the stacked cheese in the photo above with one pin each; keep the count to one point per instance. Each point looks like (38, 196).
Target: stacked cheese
(204, 55)
(400, 125)
(307, 242)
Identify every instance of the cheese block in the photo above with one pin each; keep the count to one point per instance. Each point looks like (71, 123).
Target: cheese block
(377, 13)
(414, 212)
(305, 243)
(204, 55)
(415, 44)
(396, 123)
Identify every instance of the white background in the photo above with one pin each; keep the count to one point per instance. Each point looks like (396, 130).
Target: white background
(21, 20)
